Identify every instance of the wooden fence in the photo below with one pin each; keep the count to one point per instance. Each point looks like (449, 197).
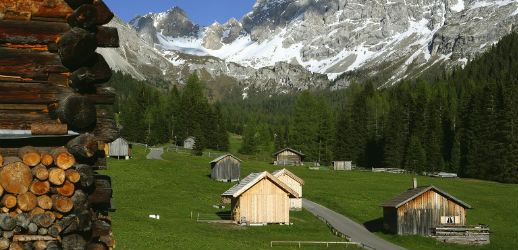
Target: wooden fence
(327, 243)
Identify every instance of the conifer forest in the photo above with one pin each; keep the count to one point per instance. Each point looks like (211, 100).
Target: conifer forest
(462, 120)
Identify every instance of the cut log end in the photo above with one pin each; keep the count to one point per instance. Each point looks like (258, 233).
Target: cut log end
(29, 155)
(27, 202)
(47, 159)
(62, 204)
(16, 178)
(57, 176)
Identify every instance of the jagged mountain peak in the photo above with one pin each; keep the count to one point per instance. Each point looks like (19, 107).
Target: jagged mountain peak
(292, 43)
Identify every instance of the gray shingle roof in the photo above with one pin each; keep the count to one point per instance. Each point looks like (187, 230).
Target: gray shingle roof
(223, 156)
(242, 183)
(292, 150)
(413, 193)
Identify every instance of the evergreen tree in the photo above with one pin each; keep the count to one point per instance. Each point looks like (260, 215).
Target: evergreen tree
(326, 132)
(250, 140)
(221, 131)
(199, 140)
(416, 156)
(304, 133)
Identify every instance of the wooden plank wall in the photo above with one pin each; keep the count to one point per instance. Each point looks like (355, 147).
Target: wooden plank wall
(422, 214)
(265, 202)
(288, 158)
(226, 169)
(295, 203)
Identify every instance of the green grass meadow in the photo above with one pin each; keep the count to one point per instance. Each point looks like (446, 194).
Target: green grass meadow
(181, 184)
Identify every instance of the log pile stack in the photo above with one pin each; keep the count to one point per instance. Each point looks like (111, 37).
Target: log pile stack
(52, 132)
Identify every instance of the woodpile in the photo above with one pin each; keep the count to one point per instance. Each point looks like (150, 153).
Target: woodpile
(52, 132)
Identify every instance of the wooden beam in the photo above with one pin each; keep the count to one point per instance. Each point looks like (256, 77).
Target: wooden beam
(29, 63)
(48, 33)
(35, 9)
(104, 15)
(36, 93)
(76, 47)
(34, 32)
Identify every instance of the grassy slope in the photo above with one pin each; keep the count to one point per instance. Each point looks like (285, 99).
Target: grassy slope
(174, 187)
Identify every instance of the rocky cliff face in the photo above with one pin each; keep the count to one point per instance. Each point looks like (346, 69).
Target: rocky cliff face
(296, 44)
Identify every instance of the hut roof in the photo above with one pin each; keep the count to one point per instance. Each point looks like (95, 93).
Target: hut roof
(413, 193)
(289, 149)
(254, 178)
(189, 138)
(288, 173)
(223, 156)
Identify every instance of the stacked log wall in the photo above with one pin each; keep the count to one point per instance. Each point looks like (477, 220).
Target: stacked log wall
(51, 195)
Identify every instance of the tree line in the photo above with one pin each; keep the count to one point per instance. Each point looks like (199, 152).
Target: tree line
(465, 122)
(149, 116)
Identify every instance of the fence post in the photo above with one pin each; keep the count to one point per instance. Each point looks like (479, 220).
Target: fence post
(299, 244)
(271, 244)
(191, 215)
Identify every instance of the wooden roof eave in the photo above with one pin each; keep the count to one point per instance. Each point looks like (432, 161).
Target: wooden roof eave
(290, 174)
(448, 196)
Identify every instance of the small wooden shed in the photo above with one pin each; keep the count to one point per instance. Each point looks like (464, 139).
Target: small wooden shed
(420, 210)
(225, 168)
(260, 198)
(295, 183)
(289, 157)
(342, 165)
(189, 142)
(120, 148)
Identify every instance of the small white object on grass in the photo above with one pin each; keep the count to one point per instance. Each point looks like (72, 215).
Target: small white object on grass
(154, 216)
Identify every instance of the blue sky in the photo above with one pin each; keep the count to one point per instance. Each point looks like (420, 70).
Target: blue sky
(202, 12)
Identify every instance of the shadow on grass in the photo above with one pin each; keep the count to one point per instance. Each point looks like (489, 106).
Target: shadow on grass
(375, 225)
(224, 215)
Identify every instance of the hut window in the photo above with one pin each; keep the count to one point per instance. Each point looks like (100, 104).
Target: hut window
(450, 219)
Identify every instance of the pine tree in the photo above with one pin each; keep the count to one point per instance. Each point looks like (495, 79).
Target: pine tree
(304, 134)
(326, 132)
(416, 156)
(250, 140)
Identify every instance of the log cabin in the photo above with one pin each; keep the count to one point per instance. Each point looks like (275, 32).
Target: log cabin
(260, 198)
(295, 183)
(225, 168)
(288, 157)
(420, 210)
(52, 130)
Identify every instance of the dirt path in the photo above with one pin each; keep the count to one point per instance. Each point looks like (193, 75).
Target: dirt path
(155, 153)
(357, 232)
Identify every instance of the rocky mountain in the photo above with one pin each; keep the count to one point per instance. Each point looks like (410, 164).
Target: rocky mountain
(298, 44)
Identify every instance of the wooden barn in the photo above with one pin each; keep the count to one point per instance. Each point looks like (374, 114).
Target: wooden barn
(420, 210)
(295, 183)
(288, 157)
(225, 168)
(189, 142)
(119, 148)
(260, 198)
(342, 165)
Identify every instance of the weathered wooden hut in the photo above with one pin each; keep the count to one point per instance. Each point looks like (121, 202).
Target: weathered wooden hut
(295, 183)
(342, 165)
(289, 157)
(189, 142)
(225, 168)
(260, 198)
(120, 148)
(420, 210)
